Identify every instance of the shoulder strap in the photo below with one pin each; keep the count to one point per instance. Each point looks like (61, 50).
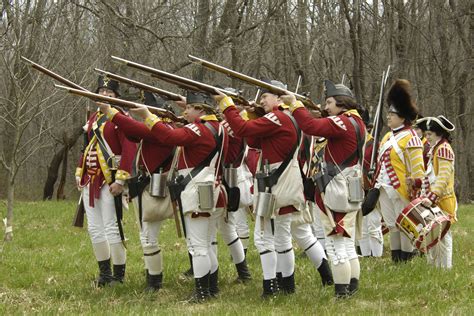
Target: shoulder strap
(207, 160)
(275, 174)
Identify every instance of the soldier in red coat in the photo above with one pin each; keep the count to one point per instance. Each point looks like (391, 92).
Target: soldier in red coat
(152, 157)
(345, 134)
(276, 135)
(103, 168)
(203, 147)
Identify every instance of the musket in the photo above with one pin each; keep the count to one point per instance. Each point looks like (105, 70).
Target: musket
(378, 122)
(53, 75)
(120, 102)
(167, 94)
(253, 81)
(181, 82)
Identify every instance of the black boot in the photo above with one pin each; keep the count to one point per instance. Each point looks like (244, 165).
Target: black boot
(153, 282)
(269, 288)
(353, 286)
(214, 283)
(288, 284)
(325, 273)
(278, 282)
(243, 272)
(406, 256)
(341, 290)
(396, 255)
(189, 273)
(105, 273)
(201, 291)
(119, 272)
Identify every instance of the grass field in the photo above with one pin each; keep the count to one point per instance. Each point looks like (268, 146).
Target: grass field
(49, 269)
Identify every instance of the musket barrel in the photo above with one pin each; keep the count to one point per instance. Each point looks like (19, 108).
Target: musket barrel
(119, 102)
(245, 78)
(53, 75)
(170, 95)
(175, 79)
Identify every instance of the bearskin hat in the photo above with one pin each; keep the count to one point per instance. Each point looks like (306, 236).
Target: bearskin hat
(400, 100)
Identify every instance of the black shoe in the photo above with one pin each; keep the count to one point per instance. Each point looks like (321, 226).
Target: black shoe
(341, 290)
(396, 255)
(214, 283)
(105, 274)
(353, 286)
(153, 282)
(201, 291)
(288, 284)
(243, 272)
(325, 273)
(119, 273)
(269, 288)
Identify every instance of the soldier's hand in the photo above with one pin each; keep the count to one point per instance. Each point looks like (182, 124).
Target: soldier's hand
(181, 103)
(116, 189)
(141, 110)
(104, 107)
(78, 183)
(410, 182)
(219, 95)
(288, 98)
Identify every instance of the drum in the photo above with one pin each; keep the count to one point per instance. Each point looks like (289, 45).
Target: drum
(425, 226)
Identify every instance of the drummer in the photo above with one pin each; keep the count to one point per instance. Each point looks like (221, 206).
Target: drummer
(400, 166)
(439, 188)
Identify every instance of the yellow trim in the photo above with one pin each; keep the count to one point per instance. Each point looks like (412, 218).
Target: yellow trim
(79, 172)
(296, 105)
(151, 120)
(245, 115)
(122, 175)
(352, 112)
(284, 106)
(225, 103)
(209, 117)
(111, 113)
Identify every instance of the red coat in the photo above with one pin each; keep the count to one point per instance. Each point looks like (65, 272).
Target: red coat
(236, 147)
(342, 142)
(197, 141)
(119, 145)
(154, 152)
(273, 133)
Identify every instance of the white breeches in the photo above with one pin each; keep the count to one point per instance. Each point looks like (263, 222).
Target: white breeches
(101, 219)
(267, 240)
(371, 243)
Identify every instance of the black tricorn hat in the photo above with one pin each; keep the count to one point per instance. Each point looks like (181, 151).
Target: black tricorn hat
(105, 82)
(275, 83)
(333, 90)
(154, 100)
(200, 97)
(400, 100)
(435, 124)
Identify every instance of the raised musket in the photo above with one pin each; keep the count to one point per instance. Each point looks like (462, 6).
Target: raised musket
(53, 74)
(181, 82)
(121, 103)
(253, 81)
(143, 86)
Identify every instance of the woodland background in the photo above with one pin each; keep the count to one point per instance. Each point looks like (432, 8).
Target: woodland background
(427, 42)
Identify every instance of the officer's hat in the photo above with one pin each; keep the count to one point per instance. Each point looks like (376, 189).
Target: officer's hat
(333, 90)
(400, 100)
(105, 82)
(436, 124)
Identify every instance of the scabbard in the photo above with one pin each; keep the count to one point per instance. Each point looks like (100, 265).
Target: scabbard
(118, 211)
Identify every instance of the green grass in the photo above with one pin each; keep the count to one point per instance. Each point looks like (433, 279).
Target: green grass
(49, 269)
